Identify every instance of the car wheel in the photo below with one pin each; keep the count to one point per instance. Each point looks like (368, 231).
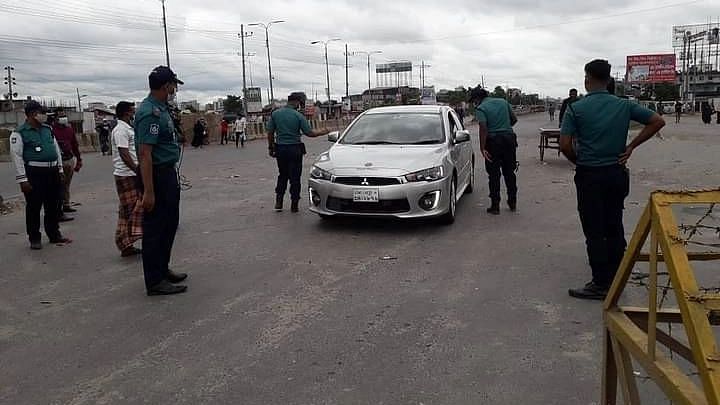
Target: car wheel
(449, 217)
(471, 184)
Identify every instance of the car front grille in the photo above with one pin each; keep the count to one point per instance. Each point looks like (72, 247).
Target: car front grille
(367, 181)
(382, 207)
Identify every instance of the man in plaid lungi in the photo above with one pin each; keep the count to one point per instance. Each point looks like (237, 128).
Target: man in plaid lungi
(125, 163)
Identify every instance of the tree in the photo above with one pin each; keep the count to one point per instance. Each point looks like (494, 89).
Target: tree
(667, 91)
(233, 104)
(499, 92)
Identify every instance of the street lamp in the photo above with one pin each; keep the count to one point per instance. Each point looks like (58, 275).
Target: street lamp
(80, 98)
(267, 45)
(327, 66)
(368, 54)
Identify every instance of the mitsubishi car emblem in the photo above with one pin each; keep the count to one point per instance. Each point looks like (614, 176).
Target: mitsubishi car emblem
(365, 182)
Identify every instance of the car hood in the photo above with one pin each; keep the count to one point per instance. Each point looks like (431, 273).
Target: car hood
(380, 160)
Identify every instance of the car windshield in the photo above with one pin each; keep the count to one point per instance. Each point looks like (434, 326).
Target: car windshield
(396, 129)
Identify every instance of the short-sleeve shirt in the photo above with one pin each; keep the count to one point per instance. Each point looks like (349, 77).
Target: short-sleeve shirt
(154, 126)
(123, 136)
(600, 123)
(289, 126)
(495, 114)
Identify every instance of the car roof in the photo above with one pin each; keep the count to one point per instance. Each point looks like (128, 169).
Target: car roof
(420, 109)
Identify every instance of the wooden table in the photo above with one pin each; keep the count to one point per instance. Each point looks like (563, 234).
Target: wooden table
(549, 139)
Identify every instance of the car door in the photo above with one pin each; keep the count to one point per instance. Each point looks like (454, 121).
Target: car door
(464, 160)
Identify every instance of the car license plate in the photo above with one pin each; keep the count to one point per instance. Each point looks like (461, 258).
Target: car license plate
(366, 195)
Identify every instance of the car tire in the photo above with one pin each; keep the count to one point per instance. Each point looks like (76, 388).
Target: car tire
(449, 217)
(471, 184)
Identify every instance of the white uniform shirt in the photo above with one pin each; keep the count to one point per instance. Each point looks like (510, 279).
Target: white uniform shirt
(123, 136)
(16, 150)
(240, 124)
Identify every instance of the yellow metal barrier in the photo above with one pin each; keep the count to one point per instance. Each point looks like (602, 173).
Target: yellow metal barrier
(632, 333)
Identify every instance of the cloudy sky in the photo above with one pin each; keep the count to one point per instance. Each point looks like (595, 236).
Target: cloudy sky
(106, 48)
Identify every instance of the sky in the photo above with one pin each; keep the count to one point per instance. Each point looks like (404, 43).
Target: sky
(107, 48)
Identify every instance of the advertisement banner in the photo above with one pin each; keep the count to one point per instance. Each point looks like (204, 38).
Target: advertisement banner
(643, 69)
(254, 99)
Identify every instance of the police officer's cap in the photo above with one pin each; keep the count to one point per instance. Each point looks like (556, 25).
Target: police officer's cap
(33, 106)
(162, 75)
(297, 96)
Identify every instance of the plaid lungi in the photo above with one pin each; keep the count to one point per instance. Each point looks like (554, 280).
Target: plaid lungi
(129, 227)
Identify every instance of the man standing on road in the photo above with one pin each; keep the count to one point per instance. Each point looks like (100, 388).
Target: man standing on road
(70, 151)
(498, 144)
(126, 169)
(240, 126)
(551, 111)
(38, 164)
(563, 108)
(285, 130)
(598, 124)
(223, 132)
(159, 154)
(678, 111)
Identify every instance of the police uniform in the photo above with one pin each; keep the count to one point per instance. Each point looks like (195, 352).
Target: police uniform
(154, 126)
(599, 124)
(38, 161)
(289, 126)
(501, 143)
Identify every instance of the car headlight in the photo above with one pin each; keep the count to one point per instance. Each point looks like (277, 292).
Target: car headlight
(320, 174)
(432, 174)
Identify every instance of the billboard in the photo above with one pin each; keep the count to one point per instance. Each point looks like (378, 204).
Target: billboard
(651, 68)
(393, 67)
(253, 98)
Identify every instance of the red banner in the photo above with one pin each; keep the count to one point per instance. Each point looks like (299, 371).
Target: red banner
(651, 68)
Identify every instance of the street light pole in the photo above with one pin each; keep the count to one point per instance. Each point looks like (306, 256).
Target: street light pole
(267, 46)
(327, 65)
(167, 49)
(368, 54)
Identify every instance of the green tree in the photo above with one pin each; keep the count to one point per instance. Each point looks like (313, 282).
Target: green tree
(233, 104)
(667, 91)
(499, 92)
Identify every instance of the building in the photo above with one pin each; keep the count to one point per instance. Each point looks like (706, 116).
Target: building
(219, 105)
(96, 106)
(697, 51)
(191, 105)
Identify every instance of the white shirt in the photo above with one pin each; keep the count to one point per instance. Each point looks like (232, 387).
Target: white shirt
(16, 150)
(240, 125)
(123, 136)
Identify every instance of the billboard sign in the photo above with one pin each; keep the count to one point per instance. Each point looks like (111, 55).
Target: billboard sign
(393, 67)
(642, 69)
(253, 98)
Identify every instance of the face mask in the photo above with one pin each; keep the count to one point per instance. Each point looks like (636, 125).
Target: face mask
(63, 121)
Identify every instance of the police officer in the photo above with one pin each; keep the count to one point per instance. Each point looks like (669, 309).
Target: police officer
(38, 164)
(598, 126)
(285, 129)
(498, 144)
(159, 154)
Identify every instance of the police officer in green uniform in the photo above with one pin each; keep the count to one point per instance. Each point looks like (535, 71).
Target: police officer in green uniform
(594, 136)
(285, 130)
(39, 172)
(498, 144)
(159, 153)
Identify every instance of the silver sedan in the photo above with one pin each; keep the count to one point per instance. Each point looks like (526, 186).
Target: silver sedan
(404, 162)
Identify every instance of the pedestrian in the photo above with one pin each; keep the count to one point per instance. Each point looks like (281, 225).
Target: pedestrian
(706, 112)
(223, 132)
(285, 129)
(551, 111)
(70, 152)
(159, 153)
(498, 144)
(573, 97)
(39, 171)
(198, 134)
(678, 111)
(127, 182)
(240, 126)
(660, 108)
(598, 124)
(104, 136)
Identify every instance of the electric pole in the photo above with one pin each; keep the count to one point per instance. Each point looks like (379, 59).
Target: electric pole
(347, 84)
(422, 74)
(267, 46)
(368, 54)
(243, 35)
(327, 66)
(10, 81)
(167, 48)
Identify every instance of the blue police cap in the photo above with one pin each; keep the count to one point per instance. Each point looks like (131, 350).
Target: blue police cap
(33, 106)
(162, 75)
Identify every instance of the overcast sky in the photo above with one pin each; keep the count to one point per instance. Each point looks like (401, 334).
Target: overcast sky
(106, 48)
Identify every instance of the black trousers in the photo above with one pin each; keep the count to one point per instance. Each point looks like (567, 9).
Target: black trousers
(601, 193)
(224, 138)
(503, 151)
(160, 226)
(289, 161)
(46, 194)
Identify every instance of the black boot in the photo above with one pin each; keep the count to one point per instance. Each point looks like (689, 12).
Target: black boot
(294, 206)
(512, 204)
(494, 208)
(278, 203)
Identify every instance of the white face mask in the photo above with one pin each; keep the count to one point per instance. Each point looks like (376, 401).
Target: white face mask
(63, 121)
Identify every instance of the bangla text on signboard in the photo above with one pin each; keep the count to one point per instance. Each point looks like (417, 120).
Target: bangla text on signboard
(651, 68)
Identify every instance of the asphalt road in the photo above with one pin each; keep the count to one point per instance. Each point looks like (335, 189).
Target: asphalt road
(287, 309)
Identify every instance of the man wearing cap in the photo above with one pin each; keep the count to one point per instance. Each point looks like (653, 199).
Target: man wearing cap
(159, 153)
(38, 164)
(594, 136)
(285, 130)
(498, 144)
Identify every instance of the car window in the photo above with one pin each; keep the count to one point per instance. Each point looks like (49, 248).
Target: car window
(452, 124)
(458, 124)
(396, 129)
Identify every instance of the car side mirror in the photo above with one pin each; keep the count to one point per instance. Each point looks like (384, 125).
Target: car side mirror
(333, 136)
(461, 136)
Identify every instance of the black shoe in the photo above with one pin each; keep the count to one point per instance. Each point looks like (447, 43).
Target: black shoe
(175, 277)
(294, 206)
(131, 251)
(36, 245)
(512, 204)
(61, 240)
(65, 218)
(68, 208)
(165, 288)
(590, 291)
(494, 208)
(278, 203)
